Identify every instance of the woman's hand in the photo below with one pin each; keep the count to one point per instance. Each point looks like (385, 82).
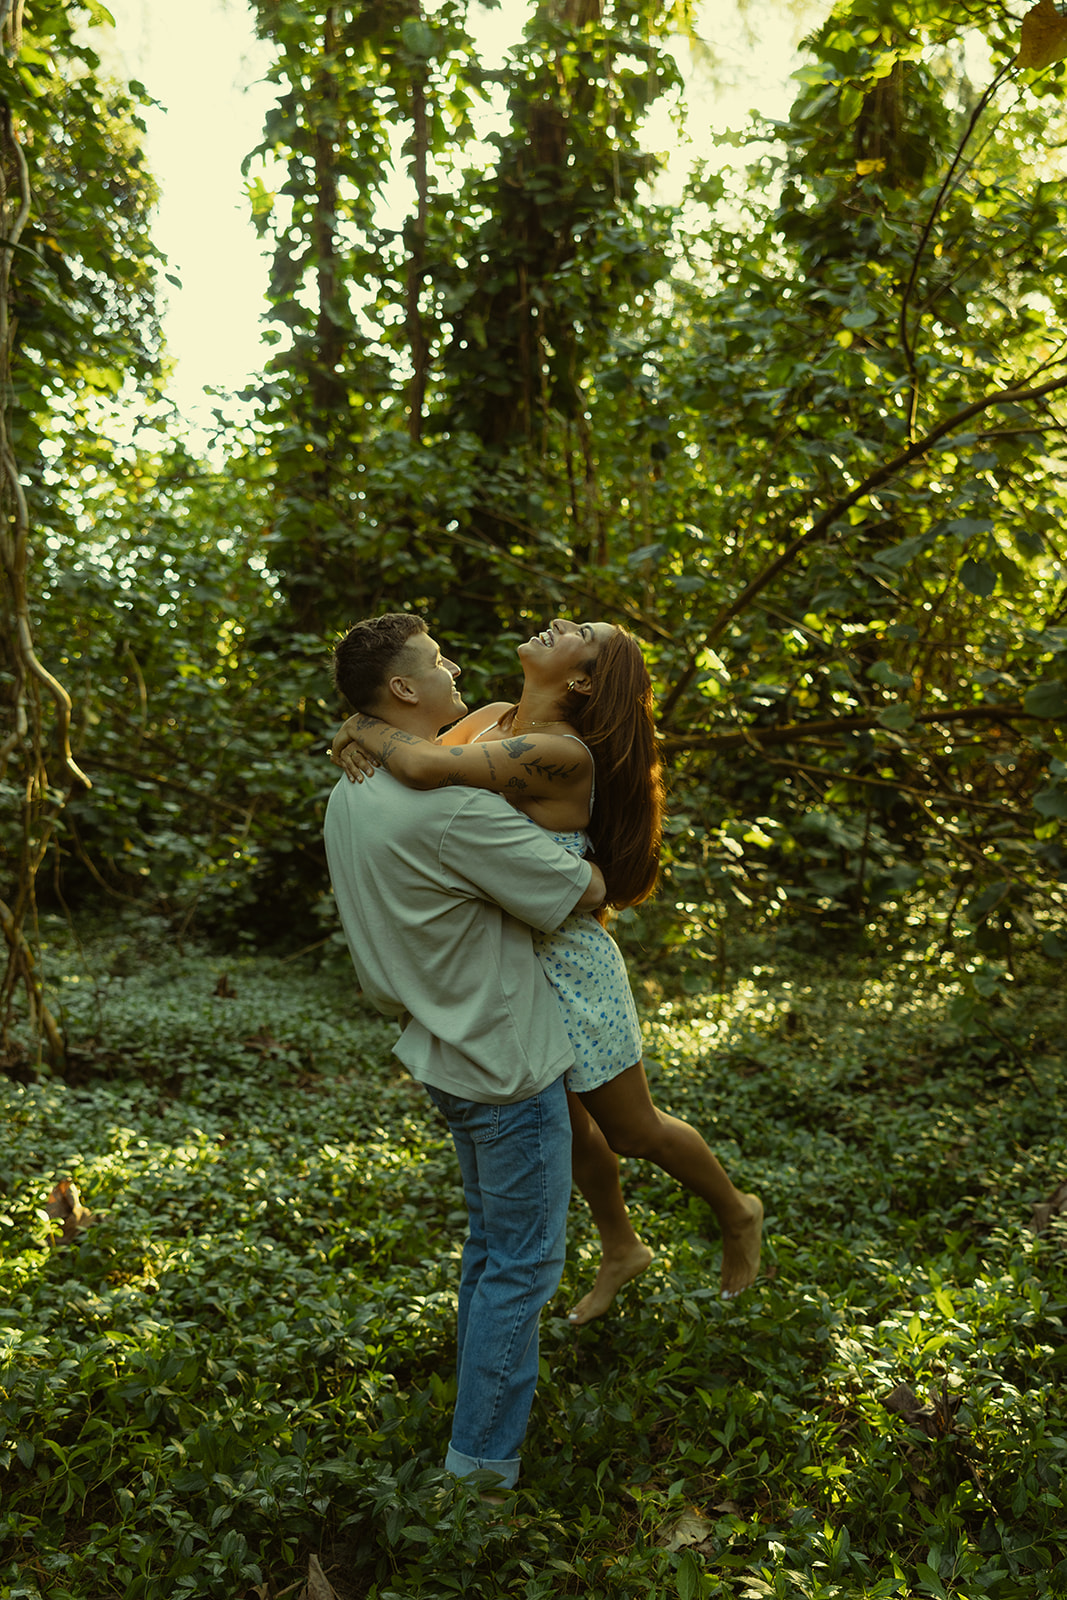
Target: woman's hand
(346, 754)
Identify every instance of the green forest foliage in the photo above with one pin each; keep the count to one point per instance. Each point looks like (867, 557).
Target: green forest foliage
(245, 1357)
(803, 431)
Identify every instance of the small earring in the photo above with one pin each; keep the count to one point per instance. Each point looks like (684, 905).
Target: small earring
(571, 684)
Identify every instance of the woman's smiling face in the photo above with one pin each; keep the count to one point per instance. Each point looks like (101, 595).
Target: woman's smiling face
(561, 650)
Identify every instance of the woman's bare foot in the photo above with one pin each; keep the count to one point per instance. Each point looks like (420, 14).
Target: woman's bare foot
(613, 1272)
(741, 1249)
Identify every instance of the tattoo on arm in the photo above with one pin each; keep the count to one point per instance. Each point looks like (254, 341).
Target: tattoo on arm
(548, 771)
(551, 772)
(396, 737)
(515, 749)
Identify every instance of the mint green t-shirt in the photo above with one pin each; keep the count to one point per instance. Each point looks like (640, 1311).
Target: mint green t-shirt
(438, 891)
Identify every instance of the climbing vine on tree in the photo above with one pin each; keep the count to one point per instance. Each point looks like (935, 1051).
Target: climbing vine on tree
(76, 327)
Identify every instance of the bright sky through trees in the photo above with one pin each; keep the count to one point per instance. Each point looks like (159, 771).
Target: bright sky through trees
(206, 70)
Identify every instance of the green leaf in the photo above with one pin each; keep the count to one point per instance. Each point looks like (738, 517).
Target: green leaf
(944, 1304)
(1048, 699)
(978, 577)
(982, 904)
(885, 673)
(850, 105)
(260, 197)
(931, 1580)
(967, 527)
(815, 106)
(898, 555)
(1051, 803)
(829, 882)
(647, 552)
(958, 441)
(896, 717)
(419, 39)
(1054, 946)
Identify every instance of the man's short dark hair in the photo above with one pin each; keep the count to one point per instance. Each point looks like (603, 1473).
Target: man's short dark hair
(366, 658)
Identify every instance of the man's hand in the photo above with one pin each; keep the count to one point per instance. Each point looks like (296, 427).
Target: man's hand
(594, 895)
(346, 754)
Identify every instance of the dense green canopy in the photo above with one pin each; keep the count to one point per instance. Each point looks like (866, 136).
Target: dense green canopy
(803, 431)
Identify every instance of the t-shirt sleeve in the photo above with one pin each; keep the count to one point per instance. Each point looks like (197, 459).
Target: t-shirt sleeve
(493, 852)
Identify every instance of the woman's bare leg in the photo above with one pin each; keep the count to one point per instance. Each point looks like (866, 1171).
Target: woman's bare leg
(633, 1126)
(596, 1173)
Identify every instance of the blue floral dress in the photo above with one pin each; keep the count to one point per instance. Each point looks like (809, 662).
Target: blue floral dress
(584, 965)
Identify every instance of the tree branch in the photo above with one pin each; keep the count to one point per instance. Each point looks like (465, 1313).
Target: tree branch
(823, 523)
(798, 732)
(924, 237)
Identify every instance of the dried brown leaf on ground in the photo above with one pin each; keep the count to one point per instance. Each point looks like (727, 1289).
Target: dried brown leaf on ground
(936, 1419)
(691, 1528)
(264, 1044)
(1045, 1210)
(904, 1402)
(65, 1203)
(318, 1586)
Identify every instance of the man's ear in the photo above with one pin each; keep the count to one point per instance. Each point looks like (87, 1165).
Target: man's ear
(403, 689)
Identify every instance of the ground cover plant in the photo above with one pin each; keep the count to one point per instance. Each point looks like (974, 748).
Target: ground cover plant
(246, 1358)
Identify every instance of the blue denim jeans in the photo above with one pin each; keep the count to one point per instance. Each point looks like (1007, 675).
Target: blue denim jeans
(516, 1166)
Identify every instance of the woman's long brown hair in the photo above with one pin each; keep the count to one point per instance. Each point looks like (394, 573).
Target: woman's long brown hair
(616, 722)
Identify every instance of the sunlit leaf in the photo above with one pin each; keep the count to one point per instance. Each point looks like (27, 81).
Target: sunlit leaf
(1043, 38)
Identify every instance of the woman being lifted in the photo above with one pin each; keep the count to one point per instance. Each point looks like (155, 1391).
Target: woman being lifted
(577, 755)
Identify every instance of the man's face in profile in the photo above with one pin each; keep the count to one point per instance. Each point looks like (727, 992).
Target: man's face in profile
(434, 679)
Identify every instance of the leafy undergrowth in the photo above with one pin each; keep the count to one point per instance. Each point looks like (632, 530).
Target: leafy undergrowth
(246, 1357)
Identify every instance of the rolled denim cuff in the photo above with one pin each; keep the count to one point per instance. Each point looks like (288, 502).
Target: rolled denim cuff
(463, 1466)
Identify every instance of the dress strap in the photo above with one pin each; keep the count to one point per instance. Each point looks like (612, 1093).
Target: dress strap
(589, 753)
